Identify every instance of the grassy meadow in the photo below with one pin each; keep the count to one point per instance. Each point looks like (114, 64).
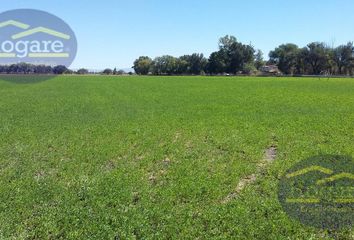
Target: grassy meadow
(103, 157)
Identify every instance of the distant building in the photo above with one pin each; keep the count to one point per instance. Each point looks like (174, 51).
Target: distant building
(270, 69)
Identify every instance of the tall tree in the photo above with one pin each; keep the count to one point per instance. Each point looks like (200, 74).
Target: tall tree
(82, 71)
(196, 63)
(285, 57)
(165, 65)
(217, 63)
(317, 56)
(259, 61)
(227, 41)
(143, 65)
(182, 66)
(107, 71)
(237, 54)
(343, 57)
(60, 69)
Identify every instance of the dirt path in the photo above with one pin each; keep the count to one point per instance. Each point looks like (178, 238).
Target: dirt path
(270, 155)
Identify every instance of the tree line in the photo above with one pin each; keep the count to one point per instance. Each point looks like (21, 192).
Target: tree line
(234, 57)
(26, 68)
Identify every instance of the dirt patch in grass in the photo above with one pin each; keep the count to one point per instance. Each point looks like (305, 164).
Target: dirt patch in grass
(270, 155)
(155, 176)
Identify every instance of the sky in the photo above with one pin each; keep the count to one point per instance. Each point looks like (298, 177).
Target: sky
(113, 33)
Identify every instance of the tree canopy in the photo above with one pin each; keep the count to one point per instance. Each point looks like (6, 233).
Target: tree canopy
(233, 57)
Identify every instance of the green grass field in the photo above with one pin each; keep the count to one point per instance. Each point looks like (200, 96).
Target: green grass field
(87, 157)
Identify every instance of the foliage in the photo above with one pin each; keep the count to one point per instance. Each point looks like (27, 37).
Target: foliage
(236, 55)
(259, 61)
(142, 65)
(249, 68)
(107, 71)
(285, 57)
(232, 57)
(343, 57)
(26, 68)
(316, 58)
(195, 63)
(82, 71)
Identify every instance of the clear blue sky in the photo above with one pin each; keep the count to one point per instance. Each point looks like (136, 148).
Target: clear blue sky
(112, 33)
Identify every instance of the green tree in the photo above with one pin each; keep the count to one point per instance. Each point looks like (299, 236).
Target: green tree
(181, 66)
(120, 72)
(226, 42)
(217, 63)
(143, 65)
(317, 56)
(165, 65)
(259, 61)
(249, 68)
(196, 63)
(237, 54)
(285, 57)
(82, 71)
(60, 69)
(107, 71)
(342, 56)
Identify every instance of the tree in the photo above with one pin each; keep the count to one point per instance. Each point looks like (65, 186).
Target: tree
(217, 63)
(342, 56)
(237, 54)
(165, 65)
(226, 42)
(69, 71)
(60, 69)
(182, 66)
(234, 57)
(107, 71)
(196, 63)
(249, 68)
(259, 61)
(21, 68)
(285, 57)
(120, 72)
(43, 69)
(82, 71)
(351, 68)
(143, 65)
(27, 68)
(115, 71)
(317, 56)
